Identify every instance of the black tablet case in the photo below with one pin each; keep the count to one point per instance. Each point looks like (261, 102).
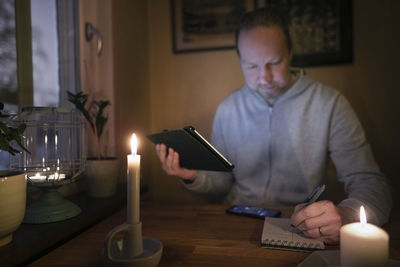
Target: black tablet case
(194, 153)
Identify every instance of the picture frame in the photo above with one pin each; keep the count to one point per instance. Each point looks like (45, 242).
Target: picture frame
(204, 25)
(321, 31)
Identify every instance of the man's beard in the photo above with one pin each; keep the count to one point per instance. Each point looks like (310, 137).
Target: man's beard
(266, 92)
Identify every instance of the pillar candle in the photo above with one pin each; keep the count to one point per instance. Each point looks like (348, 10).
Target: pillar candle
(363, 244)
(133, 184)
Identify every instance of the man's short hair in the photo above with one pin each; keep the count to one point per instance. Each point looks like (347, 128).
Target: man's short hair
(271, 16)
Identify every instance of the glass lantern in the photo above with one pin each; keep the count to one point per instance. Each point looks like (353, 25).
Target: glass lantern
(54, 138)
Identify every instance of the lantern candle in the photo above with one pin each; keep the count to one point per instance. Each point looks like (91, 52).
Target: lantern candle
(38, 177)
(56, 176)
(363, 244)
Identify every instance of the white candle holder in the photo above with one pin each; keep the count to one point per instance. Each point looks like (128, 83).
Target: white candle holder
(132, 249)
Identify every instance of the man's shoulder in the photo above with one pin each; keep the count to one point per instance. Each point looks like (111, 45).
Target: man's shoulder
(234, 96)
(319, 89)
(234, 101)
(240, 94)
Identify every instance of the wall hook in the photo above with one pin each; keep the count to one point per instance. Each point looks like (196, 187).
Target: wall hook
(89, 32)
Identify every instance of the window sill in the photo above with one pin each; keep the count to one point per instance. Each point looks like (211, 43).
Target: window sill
(31, 241)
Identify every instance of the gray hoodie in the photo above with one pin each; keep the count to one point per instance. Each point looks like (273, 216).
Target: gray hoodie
(281, 153)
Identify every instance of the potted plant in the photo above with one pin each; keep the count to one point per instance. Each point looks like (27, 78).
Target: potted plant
(101, 170)
(12, 182)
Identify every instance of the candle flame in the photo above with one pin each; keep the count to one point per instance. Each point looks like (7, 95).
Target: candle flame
(134, 144)
(363, 217)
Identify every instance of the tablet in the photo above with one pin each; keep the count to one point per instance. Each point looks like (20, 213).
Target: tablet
(195, 152)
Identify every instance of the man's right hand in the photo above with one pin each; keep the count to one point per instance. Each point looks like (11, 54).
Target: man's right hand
(170, 163)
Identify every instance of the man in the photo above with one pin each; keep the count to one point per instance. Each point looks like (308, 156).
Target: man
(280, 129)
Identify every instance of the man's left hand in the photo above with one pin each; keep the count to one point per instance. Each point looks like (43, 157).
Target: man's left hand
(320, 220)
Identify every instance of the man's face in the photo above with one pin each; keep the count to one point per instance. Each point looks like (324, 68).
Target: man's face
(265, 60)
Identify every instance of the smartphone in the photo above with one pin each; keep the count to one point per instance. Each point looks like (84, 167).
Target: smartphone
(252, 211)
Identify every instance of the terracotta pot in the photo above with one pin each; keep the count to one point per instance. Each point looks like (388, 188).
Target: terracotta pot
(12, 203)
(102, 176)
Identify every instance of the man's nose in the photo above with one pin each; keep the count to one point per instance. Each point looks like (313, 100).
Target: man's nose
(266, 74)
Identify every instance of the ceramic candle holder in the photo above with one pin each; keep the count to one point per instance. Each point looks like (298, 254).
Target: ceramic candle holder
(12, 203)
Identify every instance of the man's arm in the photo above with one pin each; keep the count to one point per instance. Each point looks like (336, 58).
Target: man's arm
(356, 168)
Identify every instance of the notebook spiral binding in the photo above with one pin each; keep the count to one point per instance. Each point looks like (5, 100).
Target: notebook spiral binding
(291, 245)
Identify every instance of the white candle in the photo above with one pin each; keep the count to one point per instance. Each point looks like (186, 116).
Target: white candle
(133, 183)
(363, 244)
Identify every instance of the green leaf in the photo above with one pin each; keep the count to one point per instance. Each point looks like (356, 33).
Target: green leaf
(93, 114)
(79, 100)
(21, 128)
(10, 134)
(1, 114)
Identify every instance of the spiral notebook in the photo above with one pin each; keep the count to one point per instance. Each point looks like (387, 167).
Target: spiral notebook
(276, 235)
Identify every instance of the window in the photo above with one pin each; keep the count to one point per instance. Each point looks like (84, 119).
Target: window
(55, 51)
(46, 86)
(8, 57)
(55, 54)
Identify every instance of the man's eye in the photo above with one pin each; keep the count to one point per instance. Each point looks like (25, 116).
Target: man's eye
(275, 63)
(252, 67)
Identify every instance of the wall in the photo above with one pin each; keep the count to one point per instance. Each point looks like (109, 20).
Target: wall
(120, 74)
(186, 88)
(131, 81)
(97, 71)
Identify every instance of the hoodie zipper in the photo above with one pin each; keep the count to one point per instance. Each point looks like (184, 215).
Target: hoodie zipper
(269, 155)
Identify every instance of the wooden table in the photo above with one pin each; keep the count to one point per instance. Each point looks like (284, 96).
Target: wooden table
(192, 235)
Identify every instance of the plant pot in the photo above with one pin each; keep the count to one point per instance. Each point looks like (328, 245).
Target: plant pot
(12, 203)
(102, 176)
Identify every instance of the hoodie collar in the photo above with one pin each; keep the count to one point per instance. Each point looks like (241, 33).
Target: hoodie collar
(300, 84)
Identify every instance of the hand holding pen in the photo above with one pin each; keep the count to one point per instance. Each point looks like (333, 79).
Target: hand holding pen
(316, 193)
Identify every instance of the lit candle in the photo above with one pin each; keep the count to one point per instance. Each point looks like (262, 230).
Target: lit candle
(56, 176)
(133, 242)
(363, 244)
(37, 177)
(133, 183)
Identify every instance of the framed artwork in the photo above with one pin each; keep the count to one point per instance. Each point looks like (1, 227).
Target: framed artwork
(321, 31)
(202, 25)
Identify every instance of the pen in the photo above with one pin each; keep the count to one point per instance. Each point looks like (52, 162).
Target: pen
(316, 193)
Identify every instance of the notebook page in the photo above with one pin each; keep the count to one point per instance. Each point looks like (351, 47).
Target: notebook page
(276, 235)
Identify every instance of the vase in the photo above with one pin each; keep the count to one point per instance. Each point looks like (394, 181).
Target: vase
(102, 176)
(12, 203)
